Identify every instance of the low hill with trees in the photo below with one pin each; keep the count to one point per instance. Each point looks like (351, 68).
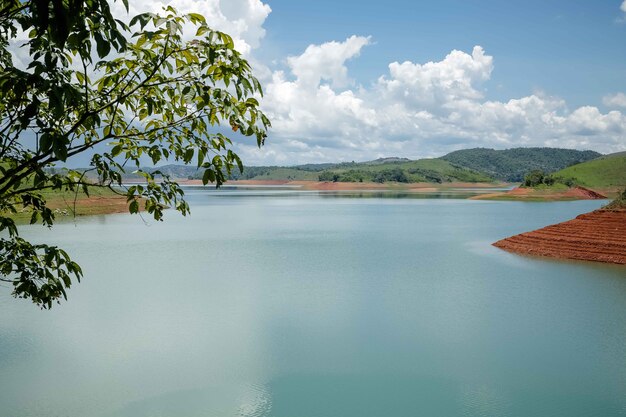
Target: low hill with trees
(471, 165)
(513, 164)
(423, 170)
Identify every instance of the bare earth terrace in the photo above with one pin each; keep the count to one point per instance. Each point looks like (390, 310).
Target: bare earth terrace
(596, 236)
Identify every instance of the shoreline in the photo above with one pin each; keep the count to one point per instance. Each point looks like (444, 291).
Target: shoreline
(548, 194)
(598, 236)
(355, 186)
(109, 203)
(501, 191)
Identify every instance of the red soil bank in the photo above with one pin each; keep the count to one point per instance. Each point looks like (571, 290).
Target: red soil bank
(597, 236)
(584, 193)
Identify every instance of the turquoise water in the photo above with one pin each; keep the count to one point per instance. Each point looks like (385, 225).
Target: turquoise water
(293, 304)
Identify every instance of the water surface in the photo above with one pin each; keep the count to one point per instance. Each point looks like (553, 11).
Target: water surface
(297, 304)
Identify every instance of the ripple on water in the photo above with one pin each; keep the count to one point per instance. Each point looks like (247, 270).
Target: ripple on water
(483, 401)
(256, 401)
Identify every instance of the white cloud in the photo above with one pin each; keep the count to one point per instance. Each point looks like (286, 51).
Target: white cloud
(416, 110)
(310, 108)
(434, 83)
(615, 100)
(326, 62)
(242, 19)
(308, 103)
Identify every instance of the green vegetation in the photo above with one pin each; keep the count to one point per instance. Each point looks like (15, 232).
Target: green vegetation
(604, 172)
(277, 173)
(66, 204)
(512, 164)
(423, 170)
(538, 178)
(307, 172)
(483, 165)
(381, 170)
(150, 92)
(618, 203)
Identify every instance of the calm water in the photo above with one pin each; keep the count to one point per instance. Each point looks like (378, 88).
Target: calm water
(289, 304)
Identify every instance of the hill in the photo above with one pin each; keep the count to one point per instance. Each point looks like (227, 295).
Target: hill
(471, 165)
(380, 170)
(604, 172)
(422, 170)
(512, 164)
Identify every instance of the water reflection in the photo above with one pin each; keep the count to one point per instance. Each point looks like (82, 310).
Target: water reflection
(315, 304)
(372, 194)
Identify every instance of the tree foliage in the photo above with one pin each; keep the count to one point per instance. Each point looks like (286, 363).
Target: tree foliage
(153, 94)
(538, 178)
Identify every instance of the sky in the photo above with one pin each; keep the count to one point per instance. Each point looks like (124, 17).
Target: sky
(358, 80)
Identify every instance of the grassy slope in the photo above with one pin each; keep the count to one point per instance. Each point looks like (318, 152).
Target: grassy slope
(100, 201)
(604, 172)
(423, 170)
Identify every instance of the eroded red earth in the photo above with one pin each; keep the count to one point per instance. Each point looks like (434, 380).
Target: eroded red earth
(596, 236)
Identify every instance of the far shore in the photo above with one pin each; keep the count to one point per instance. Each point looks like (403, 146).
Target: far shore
(550, 194)
(424, 187)
(501, 190)
(70, 205)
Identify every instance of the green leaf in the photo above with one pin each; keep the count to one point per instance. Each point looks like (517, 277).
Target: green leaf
(201, 156)
(195, 17)
(103, 47)
(133, 207)
(45, 142)
(208, 176)
(188, 155)
(60, 150)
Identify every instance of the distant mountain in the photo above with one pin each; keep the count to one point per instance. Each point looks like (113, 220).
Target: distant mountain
(513, 164)
(606, 171)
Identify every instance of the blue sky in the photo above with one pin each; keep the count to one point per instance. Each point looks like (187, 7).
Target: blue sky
(574, 49)
(355, 80)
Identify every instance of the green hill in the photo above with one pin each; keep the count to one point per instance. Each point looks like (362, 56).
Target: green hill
(380, 170)
(423, 170)
(513, 164)
(471, 165)
(606, 171)
(307, 172)
(276, 173)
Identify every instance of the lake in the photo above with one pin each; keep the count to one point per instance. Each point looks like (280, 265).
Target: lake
(281, 303)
